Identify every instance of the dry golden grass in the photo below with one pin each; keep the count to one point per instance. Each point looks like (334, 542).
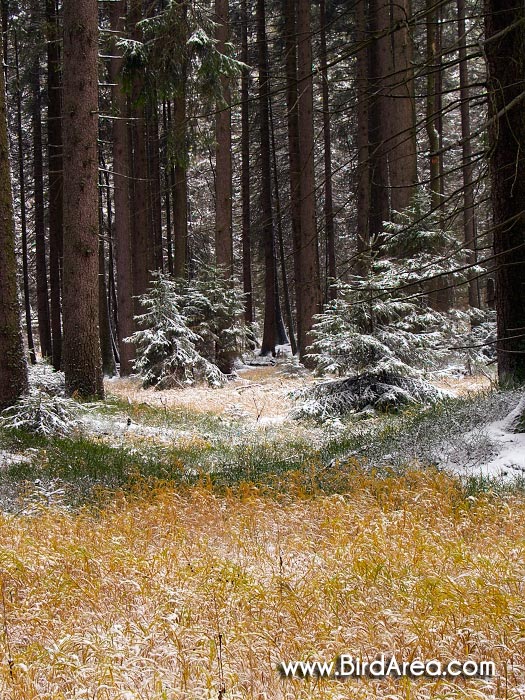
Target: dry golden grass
(131, 602)
(259, 392)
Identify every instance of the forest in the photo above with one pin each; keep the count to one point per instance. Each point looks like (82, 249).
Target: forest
(262, 341)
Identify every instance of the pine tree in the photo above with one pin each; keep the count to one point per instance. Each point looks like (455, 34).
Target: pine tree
(13, 368)
(82, 360)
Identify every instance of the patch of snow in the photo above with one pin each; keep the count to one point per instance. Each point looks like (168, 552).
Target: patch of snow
(502, 451)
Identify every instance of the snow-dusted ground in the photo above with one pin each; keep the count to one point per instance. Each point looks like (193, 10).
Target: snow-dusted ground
(256, 405)
(506, 447)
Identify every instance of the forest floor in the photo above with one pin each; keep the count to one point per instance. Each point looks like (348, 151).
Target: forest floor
(182, 544)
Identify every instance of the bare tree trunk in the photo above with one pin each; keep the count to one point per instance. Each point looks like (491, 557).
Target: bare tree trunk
(280, 238)
(363, 165)
(245, 173)
(121, 185)
(23, 218)
(270, 319)
(154, 181)
(180, 183)
(143, 238)
(331, 270)
(166, 125)
(104, 324)
(55, 180)
(223, 158)
(469, 213)
(44, 322)
(505, 52)
(309, 293)
(82, 360)
(440, 291)
(13, 368)
(290, 39)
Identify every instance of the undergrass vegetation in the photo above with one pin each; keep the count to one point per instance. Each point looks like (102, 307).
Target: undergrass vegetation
(168, 554)
(191, 594)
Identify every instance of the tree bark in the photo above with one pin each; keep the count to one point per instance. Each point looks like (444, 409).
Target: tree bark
(143, 244)
(180, 182)
(469, 213)
(44, 322)
(363, 164)
(309, 292)
(223, 158)
(23, 217)
(329, 224)
(121, 184)
(82, 359)
(505, 52)
(245, 172)
(270, 318)
(290, 41)
(13, 368)
(55, 179)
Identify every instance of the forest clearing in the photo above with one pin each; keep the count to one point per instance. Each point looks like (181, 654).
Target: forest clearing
(262, 349)
(184, 543)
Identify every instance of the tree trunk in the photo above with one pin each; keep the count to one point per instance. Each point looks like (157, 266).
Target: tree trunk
(44, 323)
(290, 40)
(23, 218)
(154, 181)
(106, 345)
(469, 214)
(143, 244)
(282, 337)
(309, 292)
(82, 360)
(180, 182)
(166, 125)
(392, 113)
(245, 173)
(329, 224)
(55, 180)
(121, 184)
(363, 165)
(13, 368)
(440, 291)
(223, 157)
(505, 52)
(270, 318)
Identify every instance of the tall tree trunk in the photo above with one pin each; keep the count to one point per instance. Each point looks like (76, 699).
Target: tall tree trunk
(401, 112)
(55, 179)
(505, 52)
(13, 368)
(363, 165)
(23, 218)
(166, 125)
(469, 213)
(245, 172)
(379, 67)
(432, 125)
(104, 324)
(154, 181)
(329, 224)
(143, 244)
(440, 291)
(290, 41)
(44, 323)
(82, 360)
(392, 113)
(282, 257)
(121, 185)
(309, 293)
(270, 282)
(180, 182)
(223, 158)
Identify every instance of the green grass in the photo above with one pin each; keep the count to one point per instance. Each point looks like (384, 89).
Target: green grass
(225, 455)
